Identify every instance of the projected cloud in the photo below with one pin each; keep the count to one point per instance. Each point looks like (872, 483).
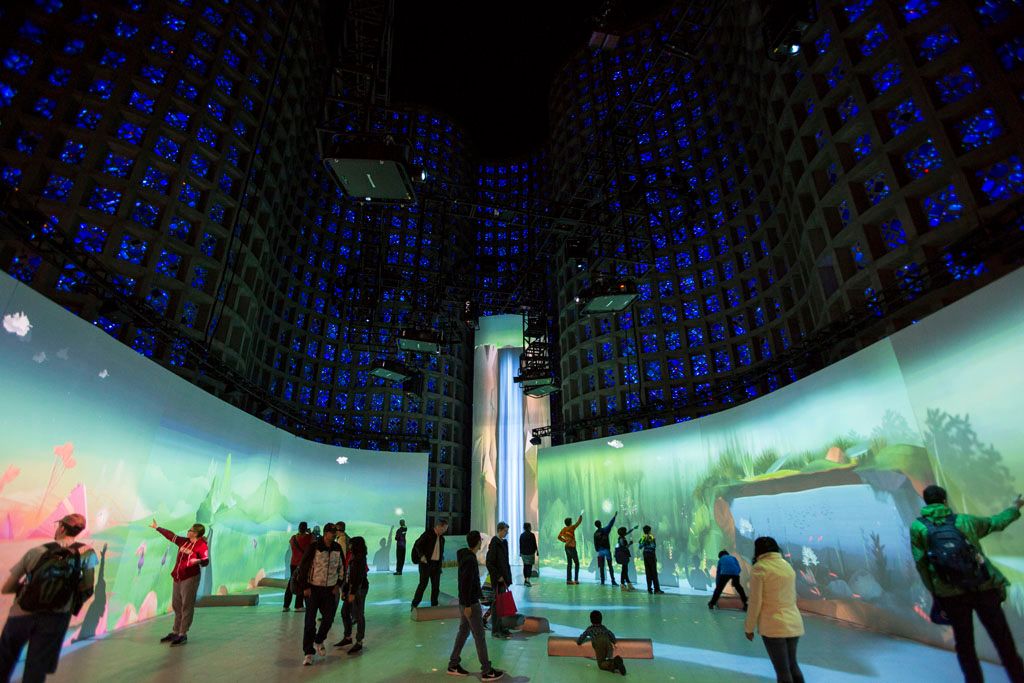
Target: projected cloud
(40, 357)
(17, 323)
(62, 354)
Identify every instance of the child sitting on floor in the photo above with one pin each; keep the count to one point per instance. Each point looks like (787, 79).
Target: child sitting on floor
(603, 641)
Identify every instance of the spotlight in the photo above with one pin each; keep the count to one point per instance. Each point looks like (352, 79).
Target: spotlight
(423, 176)
(536, 440)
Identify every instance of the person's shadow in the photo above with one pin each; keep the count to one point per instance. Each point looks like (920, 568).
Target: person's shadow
(381, 561)
(98, 607)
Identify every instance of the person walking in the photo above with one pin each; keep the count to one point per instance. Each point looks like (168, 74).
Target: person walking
(298, 544)
(948, 556)
(501, 575)
(193, 553)
(649, 548)
(400, 547)
(773, 611)
(50, 583)
(527, 552)
(428, 554)
(572, 558)
(728, 571)
(353, 610)
(604, 549)
(319, 577)
(470, 619)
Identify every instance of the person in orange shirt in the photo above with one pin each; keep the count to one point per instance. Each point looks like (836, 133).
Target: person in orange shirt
(568, 537)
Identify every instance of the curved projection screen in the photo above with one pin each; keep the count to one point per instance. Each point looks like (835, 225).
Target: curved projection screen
(92, 427)
(832, 466)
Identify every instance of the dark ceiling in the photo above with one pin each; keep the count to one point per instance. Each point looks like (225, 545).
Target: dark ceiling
(489, 64)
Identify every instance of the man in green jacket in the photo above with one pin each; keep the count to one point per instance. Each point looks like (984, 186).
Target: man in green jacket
(959, 602)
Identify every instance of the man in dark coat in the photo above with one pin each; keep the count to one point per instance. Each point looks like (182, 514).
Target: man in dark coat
(428, 554)
(501, 573)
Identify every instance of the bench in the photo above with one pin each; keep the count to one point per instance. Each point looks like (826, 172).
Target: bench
(627, 648)
(535, 625)
(268, 582)
(239, 600)
(435, 613)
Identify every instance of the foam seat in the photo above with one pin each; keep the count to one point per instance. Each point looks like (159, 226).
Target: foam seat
(445, 599)
(246, 600)
(435, 613)
(535, 625)
(729, 602)
(268, 582)
(627, 648)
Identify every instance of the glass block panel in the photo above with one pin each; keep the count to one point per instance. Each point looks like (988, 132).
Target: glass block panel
(73, 152)
(862, 146)
(888, 76)
(876, 187)
(937, 43)
(90, 238)
(132, 249)
(893, 235)
(979, 130)
(904, 115)
(915, 9)
(942, 207)
(957, 85)
(57, 188)
(923, 159)
(168, 264)
(1002, 180)
(1011, 53)
(873, 39)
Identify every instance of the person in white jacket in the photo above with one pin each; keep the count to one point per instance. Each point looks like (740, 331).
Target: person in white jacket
(772, 609)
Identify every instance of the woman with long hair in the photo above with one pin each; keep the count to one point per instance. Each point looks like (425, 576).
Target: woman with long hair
(353, 611)
(772, 609)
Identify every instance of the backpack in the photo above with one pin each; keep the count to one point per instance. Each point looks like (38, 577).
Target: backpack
(53, 581)
(622, 554)
(600, 539)
(953, 558)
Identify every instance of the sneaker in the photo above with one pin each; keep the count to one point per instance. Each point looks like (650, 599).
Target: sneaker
(659, 592)
(457, 670)
(711, 606)
(343, 642)
(528, 585)
(287, 609)
(620, 665)
(356, 648)
(744, 607)
(575, 583)
(307, 660)
(169, 637)
(179, 640)
(300, 609)
(321, 649)
(492, 675)
(503, 636)
(396, 574)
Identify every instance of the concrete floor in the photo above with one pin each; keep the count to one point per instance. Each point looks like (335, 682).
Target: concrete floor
(690, 644)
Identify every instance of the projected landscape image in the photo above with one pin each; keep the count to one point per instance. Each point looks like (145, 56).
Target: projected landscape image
(90, 426)
(832, 466)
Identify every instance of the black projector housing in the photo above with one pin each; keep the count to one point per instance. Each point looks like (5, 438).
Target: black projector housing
(420, 341)
(371, 171)
(607, 296)
(391, 370)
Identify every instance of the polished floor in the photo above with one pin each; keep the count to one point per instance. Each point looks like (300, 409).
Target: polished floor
(690, 644)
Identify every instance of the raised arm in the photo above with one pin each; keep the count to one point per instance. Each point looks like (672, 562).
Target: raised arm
(608, 528)
(579, 520)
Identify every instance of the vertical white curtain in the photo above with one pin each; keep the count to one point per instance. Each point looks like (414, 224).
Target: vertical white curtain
(510, 448)
(484, 479)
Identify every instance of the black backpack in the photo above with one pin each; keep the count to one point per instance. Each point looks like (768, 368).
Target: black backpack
(952, 556)
(600, 539)
(53, 581)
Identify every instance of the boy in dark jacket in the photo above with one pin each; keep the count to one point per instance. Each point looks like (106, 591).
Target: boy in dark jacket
(471, 619)
(319, 577)
(649, 548)
(603, 641)
(603, 548)
(527, 551)
(501, 573)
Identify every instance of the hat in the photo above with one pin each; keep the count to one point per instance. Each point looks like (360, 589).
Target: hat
(73, 523)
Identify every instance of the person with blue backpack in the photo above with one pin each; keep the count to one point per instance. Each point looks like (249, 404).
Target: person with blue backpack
(51, 583)
(948, 556)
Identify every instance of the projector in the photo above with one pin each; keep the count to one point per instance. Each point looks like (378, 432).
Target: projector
(420, 341)
(542, 386)
(374, 172)
(391, 370)
(607, 296)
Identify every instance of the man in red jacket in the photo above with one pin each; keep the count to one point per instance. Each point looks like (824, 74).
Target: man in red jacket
(298, 543)
(193, 553)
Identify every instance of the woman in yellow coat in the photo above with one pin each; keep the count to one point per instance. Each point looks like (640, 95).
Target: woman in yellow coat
(772, 609)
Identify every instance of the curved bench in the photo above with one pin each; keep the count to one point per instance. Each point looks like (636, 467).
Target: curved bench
(627, 648)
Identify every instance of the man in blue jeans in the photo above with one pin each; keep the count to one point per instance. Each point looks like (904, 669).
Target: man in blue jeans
(604, 548)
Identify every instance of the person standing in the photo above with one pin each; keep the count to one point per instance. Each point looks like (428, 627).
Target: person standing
(773, 611)
(728, 572)
(527, 551)
(50, 583)
(568, 536)
(193, 553)
(470, 619)
(624, 557)
(948, 556)
(319, 577)
(400, 547)
(604, 549)
(353, 610)
(298, 544)
(341, 537)
(428, 554)
(501, 575)
(649, 548)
